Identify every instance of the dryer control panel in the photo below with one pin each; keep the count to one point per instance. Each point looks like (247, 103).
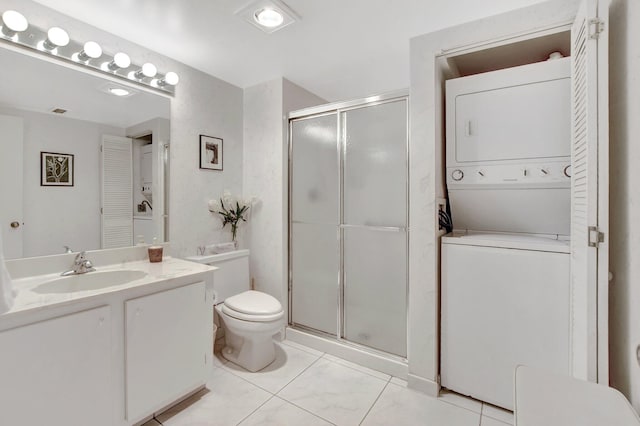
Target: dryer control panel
(555, 174)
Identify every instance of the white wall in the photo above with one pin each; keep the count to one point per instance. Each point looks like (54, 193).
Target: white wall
(59, 216)
(202, 105)
(425, 169)
(266, 107)
(624, 96)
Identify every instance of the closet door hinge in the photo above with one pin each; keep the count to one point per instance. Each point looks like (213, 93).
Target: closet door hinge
(595, 236)
(596, 26)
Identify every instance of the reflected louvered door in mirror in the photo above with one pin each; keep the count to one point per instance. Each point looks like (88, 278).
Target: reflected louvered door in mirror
(117, 191)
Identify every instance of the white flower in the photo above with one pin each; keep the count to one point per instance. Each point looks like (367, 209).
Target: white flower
(232, 210)
(250, 201)
(214, 206)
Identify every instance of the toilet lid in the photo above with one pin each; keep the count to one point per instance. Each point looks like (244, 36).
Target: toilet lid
(253, 303)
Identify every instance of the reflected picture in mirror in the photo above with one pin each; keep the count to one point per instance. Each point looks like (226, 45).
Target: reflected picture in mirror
(56, 169)
(85, 159)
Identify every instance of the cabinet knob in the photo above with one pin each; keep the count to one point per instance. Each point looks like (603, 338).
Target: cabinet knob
(15, 224)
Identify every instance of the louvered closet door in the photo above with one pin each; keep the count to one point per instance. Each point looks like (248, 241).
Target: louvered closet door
(589, 192)
(117, 192)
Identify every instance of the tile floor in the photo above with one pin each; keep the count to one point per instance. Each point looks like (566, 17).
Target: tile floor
(306, 387)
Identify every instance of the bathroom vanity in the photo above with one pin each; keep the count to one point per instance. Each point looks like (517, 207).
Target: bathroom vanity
(110, 347)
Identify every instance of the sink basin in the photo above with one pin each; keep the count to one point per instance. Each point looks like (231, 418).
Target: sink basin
(89, 281)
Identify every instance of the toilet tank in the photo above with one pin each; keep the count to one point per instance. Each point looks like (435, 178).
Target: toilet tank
(232, 276)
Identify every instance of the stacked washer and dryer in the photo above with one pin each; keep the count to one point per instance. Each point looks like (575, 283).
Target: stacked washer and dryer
(505, 268)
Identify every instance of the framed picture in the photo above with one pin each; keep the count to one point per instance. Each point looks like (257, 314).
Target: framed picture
(56, 169)
(210, 153)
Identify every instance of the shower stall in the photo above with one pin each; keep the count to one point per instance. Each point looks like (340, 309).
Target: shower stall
(348, 222)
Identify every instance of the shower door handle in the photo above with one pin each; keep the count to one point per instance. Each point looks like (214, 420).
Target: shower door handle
(376, 228)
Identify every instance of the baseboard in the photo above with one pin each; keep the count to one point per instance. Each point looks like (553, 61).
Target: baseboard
(423, 385)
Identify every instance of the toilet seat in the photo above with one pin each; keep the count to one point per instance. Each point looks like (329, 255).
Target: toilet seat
(253, 306)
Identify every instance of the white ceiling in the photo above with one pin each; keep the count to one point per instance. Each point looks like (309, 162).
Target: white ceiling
(340, 49)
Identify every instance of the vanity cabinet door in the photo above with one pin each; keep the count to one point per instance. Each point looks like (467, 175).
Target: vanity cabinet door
(58, 371)
(165, 345)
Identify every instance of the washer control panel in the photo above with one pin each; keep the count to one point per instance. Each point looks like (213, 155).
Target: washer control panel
(506, 174)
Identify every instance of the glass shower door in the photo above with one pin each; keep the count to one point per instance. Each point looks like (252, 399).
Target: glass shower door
(374, 226)
(315, 213)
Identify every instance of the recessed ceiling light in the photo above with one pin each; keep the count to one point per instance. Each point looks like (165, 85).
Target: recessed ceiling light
(118, 91)
(268, 17)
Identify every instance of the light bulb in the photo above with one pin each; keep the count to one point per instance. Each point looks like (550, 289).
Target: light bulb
(268, 17)
(13, 22)
(91, 50)
(120, 60)
(171, 78)
(56, 37)
(147, 70)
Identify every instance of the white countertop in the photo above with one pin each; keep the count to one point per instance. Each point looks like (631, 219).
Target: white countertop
(168, 269)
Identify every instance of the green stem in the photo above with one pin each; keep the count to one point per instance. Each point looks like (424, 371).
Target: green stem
(234, 230)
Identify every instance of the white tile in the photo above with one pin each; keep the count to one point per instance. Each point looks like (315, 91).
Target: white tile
(488, 421)
(226, 401)
(358, 367)
(460, 400)
(289, 363)
(278, 412)
(402, 406)
(400, 382)
(334, 392)
(497, 413)
(302, 347)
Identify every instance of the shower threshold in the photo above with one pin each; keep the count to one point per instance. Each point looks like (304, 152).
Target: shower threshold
(361, 355)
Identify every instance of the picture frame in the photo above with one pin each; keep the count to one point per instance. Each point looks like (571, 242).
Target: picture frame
(56, 169)
(211, 153)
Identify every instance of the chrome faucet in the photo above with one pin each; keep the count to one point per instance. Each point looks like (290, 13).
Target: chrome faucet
(81, 265)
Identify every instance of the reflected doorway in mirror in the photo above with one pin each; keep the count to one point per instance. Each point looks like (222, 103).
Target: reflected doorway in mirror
(56, 169)
(210, 153)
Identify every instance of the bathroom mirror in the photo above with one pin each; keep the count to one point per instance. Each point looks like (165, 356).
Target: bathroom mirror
(55, 180)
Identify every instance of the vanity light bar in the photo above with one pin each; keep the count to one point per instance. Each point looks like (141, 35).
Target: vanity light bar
(55, 42)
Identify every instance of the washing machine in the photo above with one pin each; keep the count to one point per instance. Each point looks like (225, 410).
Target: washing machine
(504, 302)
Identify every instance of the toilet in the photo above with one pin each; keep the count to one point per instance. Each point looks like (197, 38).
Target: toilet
(249, 318)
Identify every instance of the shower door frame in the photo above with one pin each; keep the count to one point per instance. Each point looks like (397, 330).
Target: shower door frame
(339, 108)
